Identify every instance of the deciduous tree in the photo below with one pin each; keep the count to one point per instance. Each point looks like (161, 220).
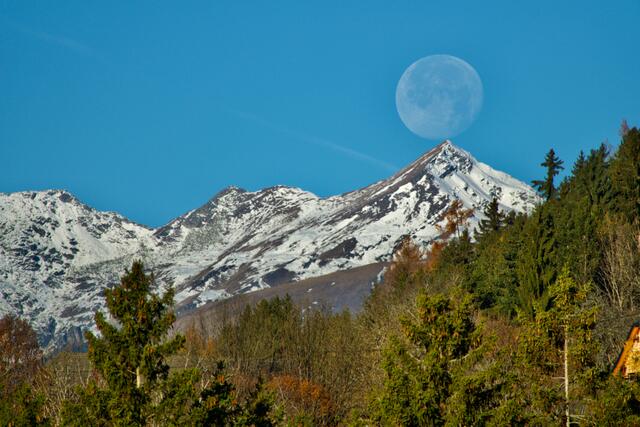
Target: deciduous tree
(20, 355)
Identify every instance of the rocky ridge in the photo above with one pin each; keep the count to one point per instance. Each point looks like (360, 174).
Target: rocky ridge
(57, 254)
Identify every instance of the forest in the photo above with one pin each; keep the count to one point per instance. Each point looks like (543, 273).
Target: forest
(518, 321)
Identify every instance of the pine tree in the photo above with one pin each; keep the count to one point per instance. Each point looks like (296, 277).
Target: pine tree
(617, 404)
(579, 163)
(536, 261)
(553, 164)
(624, 128)
(494, 221)
(558, 343)
(492, 274)
(625, 175)
(23, 407)
(423, 371)
(592, 179)
(454, 262)
(130, 356)
(585, 197)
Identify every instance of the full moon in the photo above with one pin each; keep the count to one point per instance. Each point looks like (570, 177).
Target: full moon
(439, 96)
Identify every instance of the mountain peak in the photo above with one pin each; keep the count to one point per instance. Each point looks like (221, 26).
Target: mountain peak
(449, 153)
(64, 253)
(447, 146)
(232, 189)
(446, 149)
(445, 156)
(63, 195)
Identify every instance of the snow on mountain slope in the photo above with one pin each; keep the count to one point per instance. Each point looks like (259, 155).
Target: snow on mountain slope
(47, 238)
(57, 255)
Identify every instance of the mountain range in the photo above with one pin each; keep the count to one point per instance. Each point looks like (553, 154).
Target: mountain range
(57, 254)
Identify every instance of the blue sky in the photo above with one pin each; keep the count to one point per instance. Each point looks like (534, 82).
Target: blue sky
(150, 108)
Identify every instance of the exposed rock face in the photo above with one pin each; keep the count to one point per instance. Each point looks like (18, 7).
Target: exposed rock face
(57, 254)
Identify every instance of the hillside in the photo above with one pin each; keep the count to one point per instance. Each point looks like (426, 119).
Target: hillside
(58, 254)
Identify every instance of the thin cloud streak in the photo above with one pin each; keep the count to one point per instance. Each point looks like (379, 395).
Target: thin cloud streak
(349, 152)
(61, 41)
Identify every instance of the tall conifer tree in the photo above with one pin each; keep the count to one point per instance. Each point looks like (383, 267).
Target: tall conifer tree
(495, 219)
(553, 164)
(130, 356)
(419, 372)
(625, 175)
(130, 353)
(536, 262)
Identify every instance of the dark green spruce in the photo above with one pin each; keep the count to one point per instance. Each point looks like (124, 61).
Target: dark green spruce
(130, 356)
(553, 164)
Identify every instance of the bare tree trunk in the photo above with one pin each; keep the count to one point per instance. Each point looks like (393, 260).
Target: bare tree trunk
(566, 375)
(138, 378)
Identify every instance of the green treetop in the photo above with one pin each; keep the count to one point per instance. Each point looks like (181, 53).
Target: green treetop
(495, 219)
(428, 368)
(130, 358)
(625, 175)
(130, 353)
(553, 164)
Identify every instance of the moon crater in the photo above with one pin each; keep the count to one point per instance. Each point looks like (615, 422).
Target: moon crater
(439, 96)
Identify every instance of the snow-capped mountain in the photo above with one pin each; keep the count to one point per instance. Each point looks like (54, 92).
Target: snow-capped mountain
(57, 254)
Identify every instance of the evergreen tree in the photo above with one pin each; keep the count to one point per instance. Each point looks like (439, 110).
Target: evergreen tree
(625, 175)
(585, 198)
(616, 404)
(624, 128)
(579, 163)
(590, 178)
(495, 219)
(512, 242)
(492, 278)
(553, 165)
(558, 343)
(131, 354)
(22, 407)
(454, 264)
(430, 375)
(130, 357)
(536, 261)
